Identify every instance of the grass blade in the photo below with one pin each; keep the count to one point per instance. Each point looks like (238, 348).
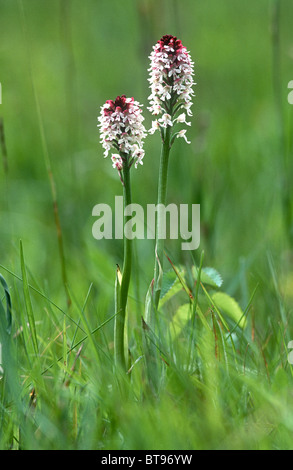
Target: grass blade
(8, 304)
(28, 303)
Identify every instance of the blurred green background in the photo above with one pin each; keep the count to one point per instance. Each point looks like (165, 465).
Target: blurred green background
(60, 60)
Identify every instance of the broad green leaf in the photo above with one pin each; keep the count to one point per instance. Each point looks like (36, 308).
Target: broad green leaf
(202, 318)
(230, 307)
(171, 286)
(180, 319)
(209, 276)
(213, 275)
(169, 279)
(176, 287)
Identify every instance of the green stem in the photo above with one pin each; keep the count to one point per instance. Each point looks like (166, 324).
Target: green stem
(122, 291)
(154, 297)
(162, 192)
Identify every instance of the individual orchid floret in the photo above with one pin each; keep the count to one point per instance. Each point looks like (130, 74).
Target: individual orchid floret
(182, 119)
(137, 155)
(117, 161)
(171, 82)
(121, 128)
(182, 134)
(155, 126)
(165, 120)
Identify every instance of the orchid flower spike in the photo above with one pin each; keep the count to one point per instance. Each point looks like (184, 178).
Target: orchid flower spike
(121, 128)
(171, 82)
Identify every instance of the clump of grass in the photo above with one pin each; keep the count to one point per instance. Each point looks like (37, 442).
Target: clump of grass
(231, 391)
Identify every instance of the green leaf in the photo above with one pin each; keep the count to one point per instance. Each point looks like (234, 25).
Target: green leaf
(180, 320)
(169, 279)
(213, 276)
(171, 286)
(8, 304)
(209, 276)
(230, 307)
